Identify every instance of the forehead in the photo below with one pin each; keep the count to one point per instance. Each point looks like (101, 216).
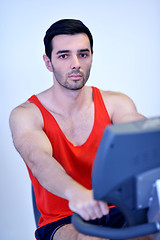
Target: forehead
(71, 42)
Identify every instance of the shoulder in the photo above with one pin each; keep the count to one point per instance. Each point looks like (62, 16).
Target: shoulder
(112, 94)
(25, 115)
(116, 98)
(26, 109)
(121, 107)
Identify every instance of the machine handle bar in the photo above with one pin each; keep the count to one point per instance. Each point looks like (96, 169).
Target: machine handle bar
(86, 228)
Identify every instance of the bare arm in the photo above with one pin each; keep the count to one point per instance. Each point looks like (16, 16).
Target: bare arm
(35, 148)
(121, 108)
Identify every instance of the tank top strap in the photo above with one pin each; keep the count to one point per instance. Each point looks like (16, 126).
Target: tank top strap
(47, 116)
(100, 107)
(35, 100)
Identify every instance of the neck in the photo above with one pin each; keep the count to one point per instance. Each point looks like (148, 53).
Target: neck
(69, 102)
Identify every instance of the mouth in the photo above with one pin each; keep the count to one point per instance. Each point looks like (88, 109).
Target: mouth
(75, 76)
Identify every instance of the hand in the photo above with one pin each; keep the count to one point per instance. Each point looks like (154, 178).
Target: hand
(88, 208)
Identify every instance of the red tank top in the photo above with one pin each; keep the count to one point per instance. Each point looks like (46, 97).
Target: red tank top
(76, 160)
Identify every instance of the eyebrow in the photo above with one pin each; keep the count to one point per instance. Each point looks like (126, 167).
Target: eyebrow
(84, 50)
(62, 51)
(68, 51)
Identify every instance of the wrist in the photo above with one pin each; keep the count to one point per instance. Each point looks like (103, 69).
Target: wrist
(74, 190)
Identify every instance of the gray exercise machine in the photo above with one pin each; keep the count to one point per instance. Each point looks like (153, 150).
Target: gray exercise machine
(126, 173)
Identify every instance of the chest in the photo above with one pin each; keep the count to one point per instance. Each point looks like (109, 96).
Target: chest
(77, 128)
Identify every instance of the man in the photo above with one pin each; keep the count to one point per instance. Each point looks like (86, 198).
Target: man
(58, 132)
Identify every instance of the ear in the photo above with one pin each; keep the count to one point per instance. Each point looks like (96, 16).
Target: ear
(47, 63)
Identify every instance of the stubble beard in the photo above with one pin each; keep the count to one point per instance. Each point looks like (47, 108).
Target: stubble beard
(74, 85)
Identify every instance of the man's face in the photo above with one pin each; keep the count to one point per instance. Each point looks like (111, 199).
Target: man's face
(71, 60)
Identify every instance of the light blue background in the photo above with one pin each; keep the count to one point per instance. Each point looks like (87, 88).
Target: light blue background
(126, 59)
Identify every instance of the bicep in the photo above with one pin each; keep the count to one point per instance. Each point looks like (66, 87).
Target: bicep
(28, 136)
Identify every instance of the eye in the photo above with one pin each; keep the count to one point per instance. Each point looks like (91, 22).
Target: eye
(83, 55)
(63, 56)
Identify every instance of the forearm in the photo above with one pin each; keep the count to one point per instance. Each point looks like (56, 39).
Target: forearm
(52, 176)
(55, 179)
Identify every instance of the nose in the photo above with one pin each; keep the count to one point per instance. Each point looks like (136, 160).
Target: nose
(75, 63)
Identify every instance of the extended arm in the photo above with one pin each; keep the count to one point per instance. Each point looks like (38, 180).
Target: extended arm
(35, 148)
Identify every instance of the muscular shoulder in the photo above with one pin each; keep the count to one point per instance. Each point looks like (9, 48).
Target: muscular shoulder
(116, 98)
(121, 108)
(26, 115)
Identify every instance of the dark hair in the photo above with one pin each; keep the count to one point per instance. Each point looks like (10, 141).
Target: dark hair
(65, 26)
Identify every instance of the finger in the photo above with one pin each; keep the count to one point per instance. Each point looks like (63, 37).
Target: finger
(94, 210)
(104, 207)
(97, 211)
(84, 214)
(88, 208)
(79, 209)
